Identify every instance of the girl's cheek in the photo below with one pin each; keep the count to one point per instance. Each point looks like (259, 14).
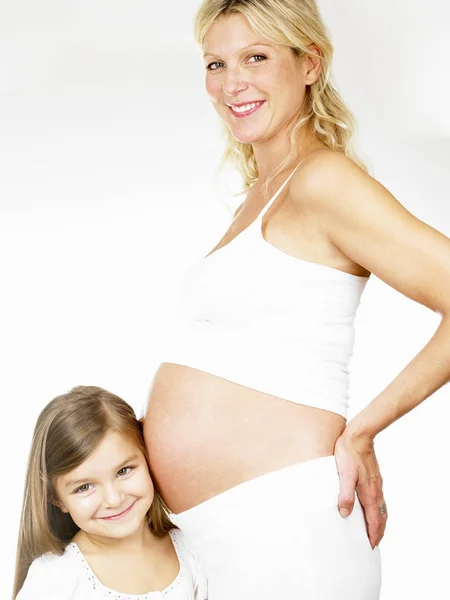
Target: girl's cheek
(143, 486)
(88, 504)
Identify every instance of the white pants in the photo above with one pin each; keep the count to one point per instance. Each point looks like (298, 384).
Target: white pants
(280, 537)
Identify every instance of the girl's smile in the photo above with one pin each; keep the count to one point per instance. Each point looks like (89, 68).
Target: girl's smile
(110, 493)
(119, 515)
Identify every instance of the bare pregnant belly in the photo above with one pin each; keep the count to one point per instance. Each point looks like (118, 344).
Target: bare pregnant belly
(205, 434)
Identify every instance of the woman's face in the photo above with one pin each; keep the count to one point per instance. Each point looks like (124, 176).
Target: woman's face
(109, 494)
(257, 87)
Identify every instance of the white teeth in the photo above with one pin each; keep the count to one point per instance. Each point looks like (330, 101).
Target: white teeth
(244, 107)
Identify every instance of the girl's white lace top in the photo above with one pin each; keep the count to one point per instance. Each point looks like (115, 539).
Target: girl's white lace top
(69, 577)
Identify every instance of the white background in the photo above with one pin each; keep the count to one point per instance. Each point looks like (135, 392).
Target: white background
(108, 147)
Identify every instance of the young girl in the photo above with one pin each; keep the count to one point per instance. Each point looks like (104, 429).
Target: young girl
(92, 525)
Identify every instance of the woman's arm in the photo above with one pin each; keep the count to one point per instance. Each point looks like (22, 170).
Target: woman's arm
(363, 220)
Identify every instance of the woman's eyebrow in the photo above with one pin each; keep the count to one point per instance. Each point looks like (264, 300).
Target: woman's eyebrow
(242, 49)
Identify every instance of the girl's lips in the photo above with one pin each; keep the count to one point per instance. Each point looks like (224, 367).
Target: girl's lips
(119, 515)
(254, 107)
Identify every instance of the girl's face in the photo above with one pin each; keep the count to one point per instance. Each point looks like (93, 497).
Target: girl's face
(109, 494)
(257, 87)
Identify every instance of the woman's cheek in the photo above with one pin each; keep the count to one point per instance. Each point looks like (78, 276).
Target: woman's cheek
(213, 88)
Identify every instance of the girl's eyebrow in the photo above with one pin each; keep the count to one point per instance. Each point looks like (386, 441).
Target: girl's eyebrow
(72, 482)
(242, 49)
(76, 482)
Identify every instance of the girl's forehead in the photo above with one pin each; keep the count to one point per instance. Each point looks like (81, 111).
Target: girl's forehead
(113, 443)
(111, 453)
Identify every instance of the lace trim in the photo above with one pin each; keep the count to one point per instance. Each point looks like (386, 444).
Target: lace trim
(97, 585)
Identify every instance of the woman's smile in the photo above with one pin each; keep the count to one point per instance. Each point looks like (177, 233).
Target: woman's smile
(246, 73)
(245, 109)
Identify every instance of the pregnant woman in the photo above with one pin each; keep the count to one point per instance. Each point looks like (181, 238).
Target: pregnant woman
(246, 421)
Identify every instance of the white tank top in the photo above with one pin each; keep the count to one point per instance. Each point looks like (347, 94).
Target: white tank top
(254, 315)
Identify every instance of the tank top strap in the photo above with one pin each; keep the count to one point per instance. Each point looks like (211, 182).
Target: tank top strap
(277, 193)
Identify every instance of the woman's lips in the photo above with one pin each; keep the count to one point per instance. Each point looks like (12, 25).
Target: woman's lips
(119, 515)
(245, 109)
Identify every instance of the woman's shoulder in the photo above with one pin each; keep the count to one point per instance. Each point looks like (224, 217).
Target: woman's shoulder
(330, 183)
(51, 577)
(323, 167)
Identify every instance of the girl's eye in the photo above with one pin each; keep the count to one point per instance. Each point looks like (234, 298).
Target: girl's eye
(124, 471)
(214, 66)
(257, 58)
(83, 488)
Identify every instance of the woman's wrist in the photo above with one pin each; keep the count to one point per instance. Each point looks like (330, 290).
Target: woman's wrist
(357, 428)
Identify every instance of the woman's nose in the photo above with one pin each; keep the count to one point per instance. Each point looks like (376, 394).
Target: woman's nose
(234, 84)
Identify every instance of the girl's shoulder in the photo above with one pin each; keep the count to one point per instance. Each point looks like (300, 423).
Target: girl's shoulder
(189, 562)
(51, 577)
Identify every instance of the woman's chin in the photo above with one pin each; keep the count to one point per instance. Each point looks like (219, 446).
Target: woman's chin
(246, 137)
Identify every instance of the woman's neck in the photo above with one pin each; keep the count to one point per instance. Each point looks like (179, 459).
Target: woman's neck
(270, 154)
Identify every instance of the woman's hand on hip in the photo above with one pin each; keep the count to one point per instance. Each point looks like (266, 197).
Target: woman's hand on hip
(358, 470)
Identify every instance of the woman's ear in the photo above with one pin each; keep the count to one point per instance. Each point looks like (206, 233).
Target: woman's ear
(313, 63)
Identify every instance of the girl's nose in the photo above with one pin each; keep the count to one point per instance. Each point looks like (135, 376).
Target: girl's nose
(113, 496)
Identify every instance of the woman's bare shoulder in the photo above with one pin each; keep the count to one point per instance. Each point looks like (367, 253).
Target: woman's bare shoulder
(370, 226)
(322, 173)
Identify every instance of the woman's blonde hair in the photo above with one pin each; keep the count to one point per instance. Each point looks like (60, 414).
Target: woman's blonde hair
(296, 24)
(67, 431)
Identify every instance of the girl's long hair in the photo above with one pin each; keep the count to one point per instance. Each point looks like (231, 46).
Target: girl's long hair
(296, 24)
(67, 431)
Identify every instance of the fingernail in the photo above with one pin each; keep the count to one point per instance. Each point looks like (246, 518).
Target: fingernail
(344, 512)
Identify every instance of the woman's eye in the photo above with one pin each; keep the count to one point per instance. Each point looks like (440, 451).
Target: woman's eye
(257, 58)
(124, 471)
(214, 66)
(83, 488)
